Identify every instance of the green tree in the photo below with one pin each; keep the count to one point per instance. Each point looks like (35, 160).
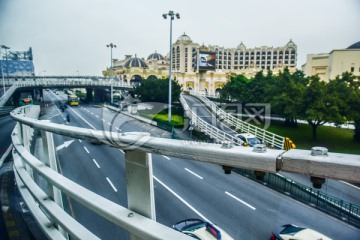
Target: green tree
(258, 87)
(348, 92)
(286, 95)
(157, 90)
(320, 105)
(235, 89)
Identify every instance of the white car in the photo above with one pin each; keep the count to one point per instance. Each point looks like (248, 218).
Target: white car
(248, 139)
(201, 230)
(293, 232)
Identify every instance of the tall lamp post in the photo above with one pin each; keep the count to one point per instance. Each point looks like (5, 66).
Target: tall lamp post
(171, 15)
(111, 45)
(2, 71)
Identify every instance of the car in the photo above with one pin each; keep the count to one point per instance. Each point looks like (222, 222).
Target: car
(248, 139)
(201, 230)
(293, 232)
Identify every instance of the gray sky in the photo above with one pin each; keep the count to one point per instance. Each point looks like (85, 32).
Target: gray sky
(70, 36)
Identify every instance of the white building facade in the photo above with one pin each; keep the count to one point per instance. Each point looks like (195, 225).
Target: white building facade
(330, 65)
(186, 67)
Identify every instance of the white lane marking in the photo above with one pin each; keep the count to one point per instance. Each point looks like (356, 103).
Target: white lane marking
(54, 116)
(86, 150)
(97, 116)
(166, 157)
(92, 113)
(117, 128)
(111, 184)
(82, 118)
(109, 123)
(196, 175)
(350, 185)
(279, 174)
(121, 151)
(181, 199)
(238, 199)
(103, 120)
(80, 140)
(98, 166)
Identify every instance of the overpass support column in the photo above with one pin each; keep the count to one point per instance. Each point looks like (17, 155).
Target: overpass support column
(16, 98)
(140, 185)
(89, 94)
(99, 95)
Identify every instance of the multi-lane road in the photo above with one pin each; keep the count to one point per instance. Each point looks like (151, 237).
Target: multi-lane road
(183, 188)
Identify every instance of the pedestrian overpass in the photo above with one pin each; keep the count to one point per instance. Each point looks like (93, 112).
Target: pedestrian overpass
(30, 82)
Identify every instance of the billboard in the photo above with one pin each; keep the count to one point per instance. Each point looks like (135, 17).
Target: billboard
(207, 60)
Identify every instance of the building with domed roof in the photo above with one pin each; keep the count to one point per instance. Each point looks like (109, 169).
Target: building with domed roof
(239, 60)
(330, 65)
(191, 75)
(135, 69)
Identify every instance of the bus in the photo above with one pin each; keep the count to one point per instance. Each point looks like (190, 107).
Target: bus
(26, 101)
(73, 100)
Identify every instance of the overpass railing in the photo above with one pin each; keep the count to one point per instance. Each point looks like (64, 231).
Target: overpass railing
(139, 218)
(210, 130)
(269, 138)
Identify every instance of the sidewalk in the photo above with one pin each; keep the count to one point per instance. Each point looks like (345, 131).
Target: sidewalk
(16, 221)
(179, 133)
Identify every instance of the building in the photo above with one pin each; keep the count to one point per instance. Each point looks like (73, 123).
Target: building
(329, 65)
(17, 63)
(206, 68)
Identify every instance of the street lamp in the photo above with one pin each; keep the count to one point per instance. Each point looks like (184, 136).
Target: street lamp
(2, 72)
(111, 45)
(171, 14)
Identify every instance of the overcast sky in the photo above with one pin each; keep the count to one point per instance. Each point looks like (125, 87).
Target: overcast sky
(70, 36)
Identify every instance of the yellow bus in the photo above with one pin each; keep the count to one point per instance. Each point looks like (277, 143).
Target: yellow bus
(26, 101)
(73, 100)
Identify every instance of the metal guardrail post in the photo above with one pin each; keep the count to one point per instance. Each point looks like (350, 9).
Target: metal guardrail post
(140, 186)
(26, 143)
(51, 161)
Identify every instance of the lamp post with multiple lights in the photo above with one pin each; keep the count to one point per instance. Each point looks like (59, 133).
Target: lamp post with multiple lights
(111, 45)
(172, 16)
(2, 71)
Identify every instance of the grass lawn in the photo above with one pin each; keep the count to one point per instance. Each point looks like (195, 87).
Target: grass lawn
(334, 139)
(176, 120)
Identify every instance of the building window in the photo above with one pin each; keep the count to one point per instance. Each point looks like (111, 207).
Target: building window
(352, 69)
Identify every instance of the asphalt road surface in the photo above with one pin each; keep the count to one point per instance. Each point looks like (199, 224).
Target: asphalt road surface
(183, 188)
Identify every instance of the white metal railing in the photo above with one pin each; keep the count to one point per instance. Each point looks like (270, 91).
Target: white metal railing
(271, 139)
(54, 221)
(210, 130)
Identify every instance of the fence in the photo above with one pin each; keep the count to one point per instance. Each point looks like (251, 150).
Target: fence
(338, 208)
(269, 138)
